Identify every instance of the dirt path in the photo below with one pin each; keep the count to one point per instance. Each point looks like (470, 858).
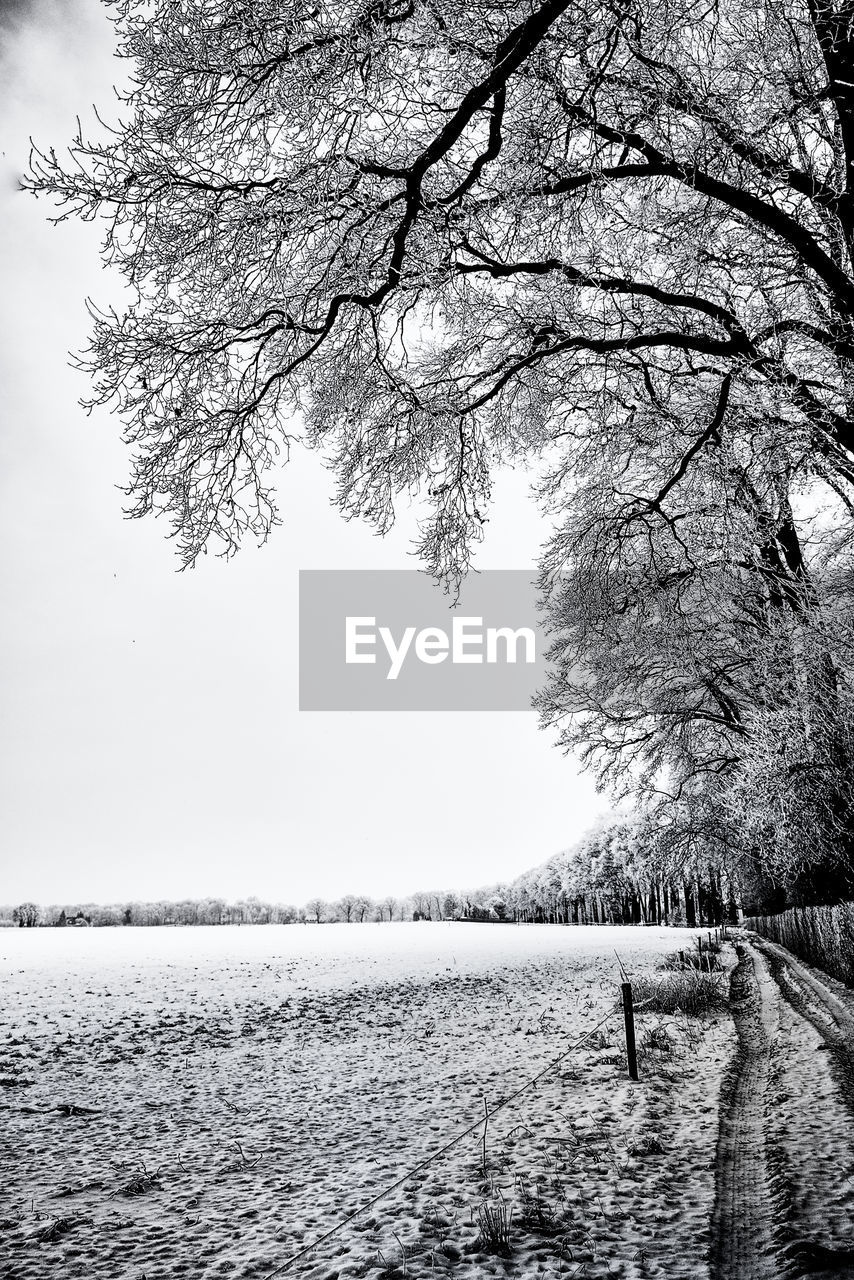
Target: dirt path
(743, 1237)
(755, 1231)
(815, 1001)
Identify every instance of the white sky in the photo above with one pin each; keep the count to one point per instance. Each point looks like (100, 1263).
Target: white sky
(151, 742)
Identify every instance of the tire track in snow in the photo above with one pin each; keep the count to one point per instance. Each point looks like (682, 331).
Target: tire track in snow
(814, 1001)
(744, 1240)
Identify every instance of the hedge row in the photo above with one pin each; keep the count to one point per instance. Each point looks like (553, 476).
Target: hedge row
(823, 936)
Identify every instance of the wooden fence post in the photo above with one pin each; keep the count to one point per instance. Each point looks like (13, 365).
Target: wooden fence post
(629, 1015)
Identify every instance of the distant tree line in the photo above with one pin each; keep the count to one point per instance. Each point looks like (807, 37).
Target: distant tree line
(350, 909)
(623, 871)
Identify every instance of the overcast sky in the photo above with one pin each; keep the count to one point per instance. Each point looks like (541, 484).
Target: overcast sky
(151, 744)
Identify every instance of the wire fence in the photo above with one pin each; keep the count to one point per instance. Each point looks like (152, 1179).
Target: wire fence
(442, 1150)
(823, 936)
(479, 1124)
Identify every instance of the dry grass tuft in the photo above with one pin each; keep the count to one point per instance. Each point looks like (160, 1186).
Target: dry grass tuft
(691, 991)
(536, 1212)
(140, 1183)
(55, 1228)
(494, 1222)
(655, 1046)
(646, 1144)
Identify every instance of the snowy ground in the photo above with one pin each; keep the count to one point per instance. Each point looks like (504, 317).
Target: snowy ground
(245, 1089)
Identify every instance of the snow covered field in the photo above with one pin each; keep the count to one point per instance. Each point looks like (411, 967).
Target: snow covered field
(206, 1102)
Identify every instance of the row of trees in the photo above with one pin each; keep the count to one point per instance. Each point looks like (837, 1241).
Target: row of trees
(623, 872)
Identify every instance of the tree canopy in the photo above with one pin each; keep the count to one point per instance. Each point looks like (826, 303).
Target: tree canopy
(609, 238)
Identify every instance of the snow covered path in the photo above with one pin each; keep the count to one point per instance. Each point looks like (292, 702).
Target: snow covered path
(743, 1224)
(785, 1161)
(813, 998)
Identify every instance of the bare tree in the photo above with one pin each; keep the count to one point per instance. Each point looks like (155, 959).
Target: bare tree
(317, 909)
(341, 175)
(362, 907)
(421, 905)
(347, 907)
(451, 235)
